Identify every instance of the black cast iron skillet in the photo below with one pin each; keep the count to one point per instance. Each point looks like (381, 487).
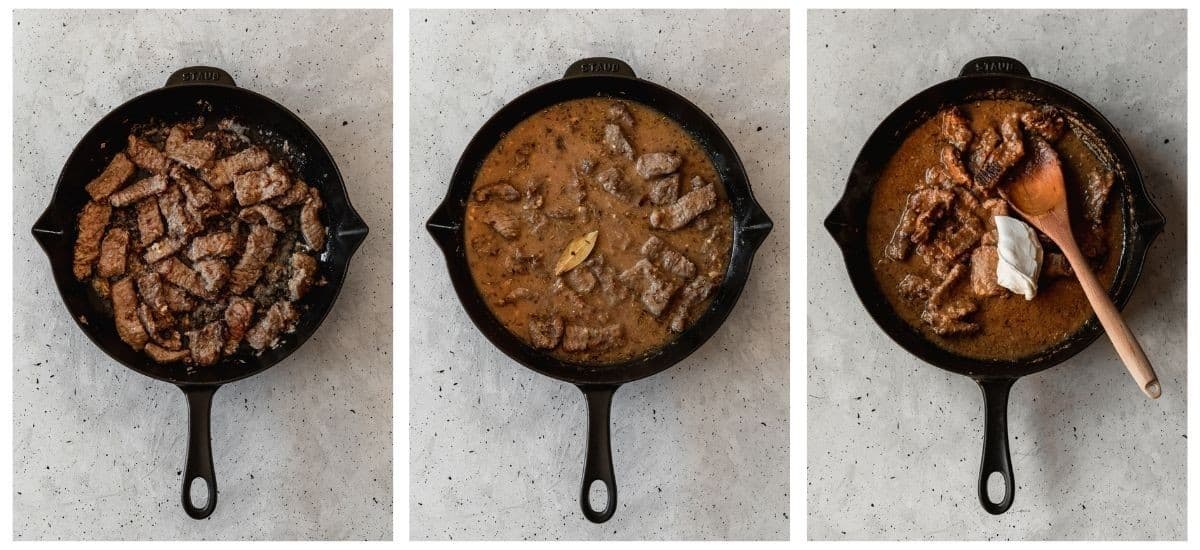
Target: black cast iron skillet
(212, 93)
(988, 78)
(611, 78)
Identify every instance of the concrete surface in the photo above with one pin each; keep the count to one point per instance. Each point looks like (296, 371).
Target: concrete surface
(894, 444)
(303, 451)
(701, 450)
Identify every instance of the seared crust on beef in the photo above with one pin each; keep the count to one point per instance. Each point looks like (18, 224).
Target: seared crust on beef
(113, 177)
(92, 221)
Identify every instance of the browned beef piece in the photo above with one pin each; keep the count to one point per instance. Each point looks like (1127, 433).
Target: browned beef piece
(311, 227)
(684, 210)
(1095, 195)
(619, 114)
(949, 319)
(653, 287)
(693, 294)
(304, 269)
(650, 165)
(151, 288)
(959, 235)
(987, 142)
(145, 187)
(936, 176)
(213, 245)
(517, 261)
(561, 213)
(222, 172)
(923, 210)
(697, 182)
(502, 191)
(953, 165)
(91, 223)
(200, 200)
(182, 276)
(1003, 157)
(533, 196)
(259, 245)
(671, 260)
(112, 253)
(570, 304)
(167, 246)
(505, 224)
(993, 208)
(614, 140)
(150, 224)
(261, 213)
(519, 294)
(195, 153)
(146, 156)
(956, 129)
(296, 194)
(545, 331)
(581, 338)
(983, 272)
(238, 315)
(665, 190)
(102, 287)
(112, 178)
(125, 305)
(206, 343)
(214, 273)
(180, 222)
(914, 288)
(610, 288)
(580, 280)
(611, 180)
(178, 300)
(164, 355)
(154, 323)
(1056, 266)
(1046, 122)
(257, 186)
(278, 319)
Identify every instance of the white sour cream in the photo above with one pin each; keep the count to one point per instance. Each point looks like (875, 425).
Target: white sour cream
(1020, 256)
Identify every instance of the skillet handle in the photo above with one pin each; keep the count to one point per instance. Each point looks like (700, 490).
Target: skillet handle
(599, 66)
(598, 465)
(994, 64)
(199, 454)
(199, 75)
(995, 443)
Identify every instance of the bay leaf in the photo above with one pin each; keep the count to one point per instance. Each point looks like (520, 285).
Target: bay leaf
(576, 252)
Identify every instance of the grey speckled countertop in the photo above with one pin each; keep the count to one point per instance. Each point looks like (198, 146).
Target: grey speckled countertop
(303, 451)
(894, 444)
(701, 450)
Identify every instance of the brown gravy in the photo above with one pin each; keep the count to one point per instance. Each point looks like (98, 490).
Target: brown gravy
(558, 176)
(1009, 327)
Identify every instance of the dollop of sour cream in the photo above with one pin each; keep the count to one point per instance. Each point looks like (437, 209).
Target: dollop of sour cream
(1020, 256)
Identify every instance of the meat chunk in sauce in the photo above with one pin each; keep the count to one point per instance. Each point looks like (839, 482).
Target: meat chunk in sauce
(653, 287)
(692, 295)
(956, 129)
(581, 338)
(684, 210)
(545, 332)
(923, 210)
(983, 272)
(1046, 122)
(998, 162)
(657, 164)
(615, 140)
(665, 190)
(1095, 193)
(502, 191)
(668, 258)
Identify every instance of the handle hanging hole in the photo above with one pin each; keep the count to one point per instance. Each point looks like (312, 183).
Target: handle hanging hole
(598, 496)
(198, 492)
(996, 487)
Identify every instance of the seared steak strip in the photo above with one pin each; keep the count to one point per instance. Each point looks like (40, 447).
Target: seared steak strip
(92, 221)
(113, 177)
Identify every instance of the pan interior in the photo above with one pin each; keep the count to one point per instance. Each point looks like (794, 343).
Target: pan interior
(264, 121)
(854, 207)
(749, 225)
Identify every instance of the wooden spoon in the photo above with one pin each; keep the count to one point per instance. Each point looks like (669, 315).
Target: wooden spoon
(1037, 192)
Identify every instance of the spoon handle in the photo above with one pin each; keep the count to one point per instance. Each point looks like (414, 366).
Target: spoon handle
(1122, 338)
